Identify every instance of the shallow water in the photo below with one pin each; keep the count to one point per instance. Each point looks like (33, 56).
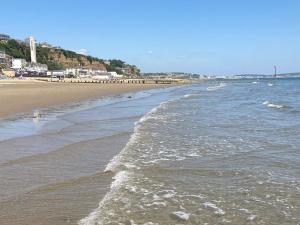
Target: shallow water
(219, 152)
(51, 167)
(213, 153)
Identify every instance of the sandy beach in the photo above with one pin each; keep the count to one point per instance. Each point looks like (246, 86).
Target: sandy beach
(55, 174)
(23, 96)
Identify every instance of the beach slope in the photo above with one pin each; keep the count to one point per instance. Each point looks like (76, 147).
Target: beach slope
(24, 96)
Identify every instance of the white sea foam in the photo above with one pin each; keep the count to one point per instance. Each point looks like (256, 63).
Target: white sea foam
(212, 206)
(169, 194)
(112, 165)
(244, 210)
(122, 176)
(119, 179)
(266, 103)
(192, 154)
(273, 105)
(164, 204)
(214, 88)
(251, 217)
(181, 215)
(190, 95)
(93, 218)
(270, 84)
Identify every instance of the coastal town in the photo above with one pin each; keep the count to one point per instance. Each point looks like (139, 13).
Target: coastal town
(12, 67)
(29, 59)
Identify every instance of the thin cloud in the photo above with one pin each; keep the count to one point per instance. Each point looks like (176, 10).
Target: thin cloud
(82, 51)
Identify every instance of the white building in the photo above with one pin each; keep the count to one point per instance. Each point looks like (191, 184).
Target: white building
(4, 37)
(32, 45)
(45, 45)
(2, 57)
(115, 75)
(82, 72)
(73, 72)
(36, 67)
(18, 63)
(101, 77)
(58, 73)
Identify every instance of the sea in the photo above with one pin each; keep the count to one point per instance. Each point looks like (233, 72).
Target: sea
(213, 152)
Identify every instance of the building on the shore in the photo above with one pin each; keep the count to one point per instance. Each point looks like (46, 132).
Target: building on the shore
(33, 68)
(5, 60)
(2, 61)
(8, 72)
(32, 45)
(18, 64)
(45, 45)
(72, 72)
(4, 37)
(36, 67)
(107, 62)
(2, 57)
(115, 75)
(93, 73)
(82, 71)
(101, 77)
(23, 68)
(57, 73)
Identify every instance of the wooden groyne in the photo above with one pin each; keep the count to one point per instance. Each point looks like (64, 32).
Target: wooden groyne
(123, 81)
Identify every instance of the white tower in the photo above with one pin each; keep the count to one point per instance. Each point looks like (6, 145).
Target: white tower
(32, 49)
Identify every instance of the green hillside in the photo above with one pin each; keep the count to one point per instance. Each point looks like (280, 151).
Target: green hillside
(57, 58)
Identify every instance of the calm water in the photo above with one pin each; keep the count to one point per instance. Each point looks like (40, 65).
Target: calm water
(219, 152)
(213, 153)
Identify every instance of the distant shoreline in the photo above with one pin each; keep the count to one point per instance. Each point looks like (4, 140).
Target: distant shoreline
(24, 96)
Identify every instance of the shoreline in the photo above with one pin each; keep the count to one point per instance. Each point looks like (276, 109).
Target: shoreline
(18, 97)
(66, 182)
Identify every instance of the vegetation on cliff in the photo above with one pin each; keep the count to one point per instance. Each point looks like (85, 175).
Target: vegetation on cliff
(57, 58)
(121, 67)
(15, 49)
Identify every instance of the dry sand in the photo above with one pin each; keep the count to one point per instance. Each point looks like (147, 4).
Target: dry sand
(23, 96)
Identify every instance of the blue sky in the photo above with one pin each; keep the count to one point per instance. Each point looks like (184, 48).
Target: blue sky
(208, 37)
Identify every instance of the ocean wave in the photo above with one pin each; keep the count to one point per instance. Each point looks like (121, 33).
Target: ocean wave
(95, 217)
(113, 164)
(191, 95)
(273, 105)
(122, 169)
(212, 206)
(181, 215)
(214, 88)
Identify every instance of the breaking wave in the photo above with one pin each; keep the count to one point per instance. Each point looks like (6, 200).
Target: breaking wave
(116, 161)
(214, 88)
(124, 171)
(273, 105)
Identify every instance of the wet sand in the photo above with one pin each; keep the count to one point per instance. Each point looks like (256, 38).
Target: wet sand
(55, 177)
(23, 96)
(54, 196)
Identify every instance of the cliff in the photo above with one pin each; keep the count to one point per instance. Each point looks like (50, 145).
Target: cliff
(57, 58)
(60, 58)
